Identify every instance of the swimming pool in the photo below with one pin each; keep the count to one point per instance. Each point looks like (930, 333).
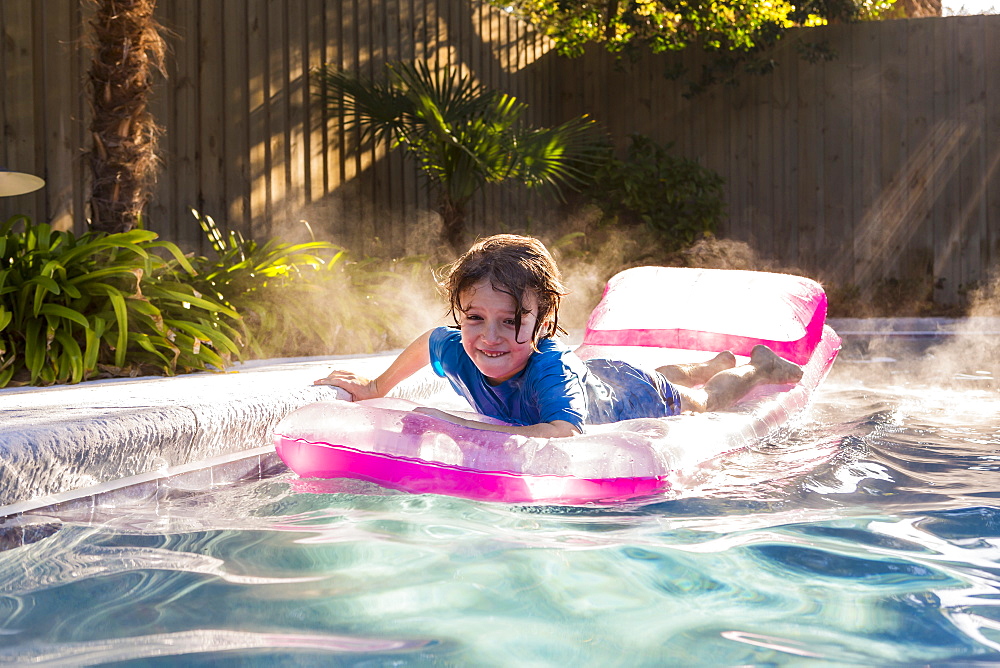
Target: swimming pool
(868, 534)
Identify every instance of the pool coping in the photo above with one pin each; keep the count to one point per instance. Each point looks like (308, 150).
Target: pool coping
(113, 441)
(151, 437)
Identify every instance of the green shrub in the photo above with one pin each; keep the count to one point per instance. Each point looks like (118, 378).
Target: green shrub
(257, 281)
(72, 308)
(676, 197)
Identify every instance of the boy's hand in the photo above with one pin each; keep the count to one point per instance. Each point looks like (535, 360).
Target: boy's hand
(358, 387)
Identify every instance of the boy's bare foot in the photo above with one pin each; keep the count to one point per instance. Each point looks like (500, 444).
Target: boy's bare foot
(776, 370)
(689, 375)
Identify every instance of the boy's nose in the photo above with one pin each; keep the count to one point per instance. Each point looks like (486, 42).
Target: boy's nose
(492, 333)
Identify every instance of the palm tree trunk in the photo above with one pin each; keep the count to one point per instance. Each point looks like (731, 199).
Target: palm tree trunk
(127, 49)
(453, 224)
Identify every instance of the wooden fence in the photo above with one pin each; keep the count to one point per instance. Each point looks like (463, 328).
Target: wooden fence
(244, 140)
(879, 164)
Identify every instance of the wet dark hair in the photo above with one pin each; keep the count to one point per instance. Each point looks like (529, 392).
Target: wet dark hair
(516, 266)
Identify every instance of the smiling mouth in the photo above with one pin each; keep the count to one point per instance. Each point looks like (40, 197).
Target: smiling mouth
(492, 355)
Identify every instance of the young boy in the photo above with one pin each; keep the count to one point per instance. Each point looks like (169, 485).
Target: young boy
(504, 295)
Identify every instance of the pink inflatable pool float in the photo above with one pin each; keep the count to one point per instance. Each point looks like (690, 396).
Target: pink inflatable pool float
(649, 316)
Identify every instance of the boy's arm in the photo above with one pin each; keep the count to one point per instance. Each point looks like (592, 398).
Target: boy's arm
(554, 429)
(413, 358)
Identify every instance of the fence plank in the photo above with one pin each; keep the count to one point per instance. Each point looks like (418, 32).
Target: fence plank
(236, 107)
(739, 224)
(919, 252)
(837, 228)
(297, 133)
(761, 176)
(896, 200)
(948, 136)
(409, 202)
(161, 106)
(22, 81)
(8, 23)
(278, 117)
(186, 125)
(385, 44)
(334, 137)
(808, 190)
(866, 86)
(212, 109)
(80, 112)
(314, 150)
(259, 91)
(785, 156)
(56, 48)
(350, 61)
(395, 202)
(990, 257)
(972, 168)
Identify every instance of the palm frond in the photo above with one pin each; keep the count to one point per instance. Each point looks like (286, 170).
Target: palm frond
(559, 157)
(455, 96)
(461, 134)
(376, 109)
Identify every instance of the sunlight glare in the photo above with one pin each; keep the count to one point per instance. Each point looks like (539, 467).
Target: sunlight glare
(968, 7)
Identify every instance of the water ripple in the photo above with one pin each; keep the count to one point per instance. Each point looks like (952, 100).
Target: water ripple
(95, 652)
(49, 564)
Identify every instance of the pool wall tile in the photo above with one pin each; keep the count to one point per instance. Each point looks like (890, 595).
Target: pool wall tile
(192, 481)
(242, 469)
(137, 493)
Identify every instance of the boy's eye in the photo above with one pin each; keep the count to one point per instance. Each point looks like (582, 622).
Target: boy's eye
(509, 322)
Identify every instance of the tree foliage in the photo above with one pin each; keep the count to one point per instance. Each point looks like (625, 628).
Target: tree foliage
(461, 134)
(734, 30)
(678, 199)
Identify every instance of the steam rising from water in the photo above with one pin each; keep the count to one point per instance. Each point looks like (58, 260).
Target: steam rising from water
(390, 314)
(587, 273)
(968, 356)
(972, 355)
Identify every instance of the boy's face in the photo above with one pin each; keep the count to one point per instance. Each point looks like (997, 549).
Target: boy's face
(488, 331)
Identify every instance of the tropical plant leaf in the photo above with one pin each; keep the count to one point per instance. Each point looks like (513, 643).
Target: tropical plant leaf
(375, 109)
(177, 254)
(71, 359)
(193, 300)
(92, 343)
(34, 349)
(121, 318)
(57, 311)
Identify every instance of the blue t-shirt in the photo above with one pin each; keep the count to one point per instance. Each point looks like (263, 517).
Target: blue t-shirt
(555, 385)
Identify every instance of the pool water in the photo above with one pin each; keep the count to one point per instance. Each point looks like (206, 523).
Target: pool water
(866, 534)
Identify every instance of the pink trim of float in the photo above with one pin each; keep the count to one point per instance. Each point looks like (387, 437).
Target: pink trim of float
(418, 476)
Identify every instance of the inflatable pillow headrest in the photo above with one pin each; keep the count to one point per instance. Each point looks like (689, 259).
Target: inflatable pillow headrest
(710, 309)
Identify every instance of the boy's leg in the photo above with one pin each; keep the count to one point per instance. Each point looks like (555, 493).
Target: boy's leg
(730, 385)
(689, 375)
